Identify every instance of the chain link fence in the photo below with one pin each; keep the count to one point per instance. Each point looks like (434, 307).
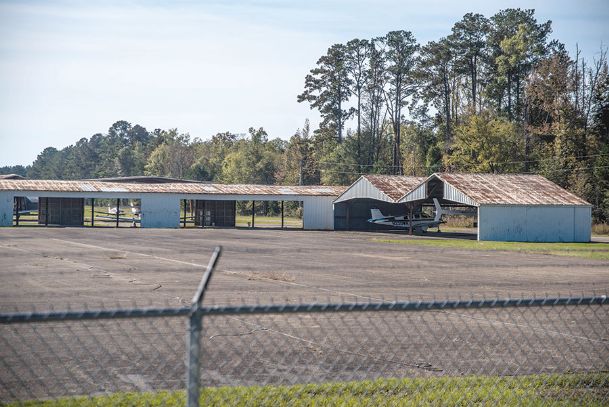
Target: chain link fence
(460, 352)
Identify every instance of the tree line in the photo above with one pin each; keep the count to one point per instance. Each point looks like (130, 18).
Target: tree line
(494, 95)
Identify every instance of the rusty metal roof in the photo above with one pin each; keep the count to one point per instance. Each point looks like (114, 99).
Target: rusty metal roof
(511, 189)
(394, 186)
(176, 188)
(11, 176)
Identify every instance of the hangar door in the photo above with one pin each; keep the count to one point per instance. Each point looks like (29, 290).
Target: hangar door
(61, 211)
(215, 213)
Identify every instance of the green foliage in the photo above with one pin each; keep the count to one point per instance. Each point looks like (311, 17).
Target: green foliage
(174, 157)
(14, 169)
(252, 161)
(327, 87)
(485, 144)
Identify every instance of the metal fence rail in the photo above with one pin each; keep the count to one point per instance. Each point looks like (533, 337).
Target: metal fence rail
(508, 351)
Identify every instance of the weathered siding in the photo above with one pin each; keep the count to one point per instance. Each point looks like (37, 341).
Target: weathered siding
(62, 211)
(160, 211)
(534, 223)
(453, 194)
(362, 188)
(6, 208)
(416, 194)
(582, 229)
(317, 213)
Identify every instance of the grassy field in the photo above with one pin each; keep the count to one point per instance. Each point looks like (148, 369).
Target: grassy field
(590, 389)
(598, 251)
(600, 229)
(269, 221)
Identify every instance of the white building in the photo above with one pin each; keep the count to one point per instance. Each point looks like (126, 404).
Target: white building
(160, 202)
(509, 207)
(512, 207)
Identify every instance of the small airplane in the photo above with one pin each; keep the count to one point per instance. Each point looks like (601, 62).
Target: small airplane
(135, 210)
(417, 222)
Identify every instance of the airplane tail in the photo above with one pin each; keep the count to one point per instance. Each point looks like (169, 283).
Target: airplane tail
(376, 214)
(438, 210)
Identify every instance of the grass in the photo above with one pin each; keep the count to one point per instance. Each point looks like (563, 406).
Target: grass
(267, 221)
(561, 389)
(599, 251)
(600, 229)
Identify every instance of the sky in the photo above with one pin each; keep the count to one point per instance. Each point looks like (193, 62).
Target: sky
(69, 69)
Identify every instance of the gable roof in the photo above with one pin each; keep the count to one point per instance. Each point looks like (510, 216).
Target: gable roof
(500, 189)
(388, 188)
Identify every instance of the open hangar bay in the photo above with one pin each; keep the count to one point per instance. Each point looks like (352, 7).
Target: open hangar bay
(508, 207)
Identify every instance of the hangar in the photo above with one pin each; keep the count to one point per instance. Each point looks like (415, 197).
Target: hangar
(508, 207)
(512, 207)
(160, 201)
(352, 207)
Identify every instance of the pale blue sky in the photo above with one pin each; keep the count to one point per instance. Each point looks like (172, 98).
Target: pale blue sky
(70, 69)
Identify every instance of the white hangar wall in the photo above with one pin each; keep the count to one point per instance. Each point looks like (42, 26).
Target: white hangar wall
(160, 211)
(6, 208)
(538, 223)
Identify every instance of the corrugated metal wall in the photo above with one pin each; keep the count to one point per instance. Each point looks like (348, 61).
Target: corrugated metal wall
(363, 189)
(62, 211)
(160, 211)
(582, 228)
(453, 194)
(6, 208)
(534, 223)
(417, 194)
(318, 213)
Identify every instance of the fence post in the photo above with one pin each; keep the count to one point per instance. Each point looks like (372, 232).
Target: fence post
(194, 337)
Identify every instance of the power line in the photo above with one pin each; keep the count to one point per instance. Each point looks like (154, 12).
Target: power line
(495, 163)
(520, 172)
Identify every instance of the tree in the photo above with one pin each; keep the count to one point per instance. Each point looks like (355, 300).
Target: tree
(401, 60)
(436, 67)
(357, 55)
(48, 165)
(486, 144)
(173, 158)
(469, 42)
(327, 87)
(253, 161)
(516, 42)
(376, 79)
(14, 169)
(298, 164)
(338, 164)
